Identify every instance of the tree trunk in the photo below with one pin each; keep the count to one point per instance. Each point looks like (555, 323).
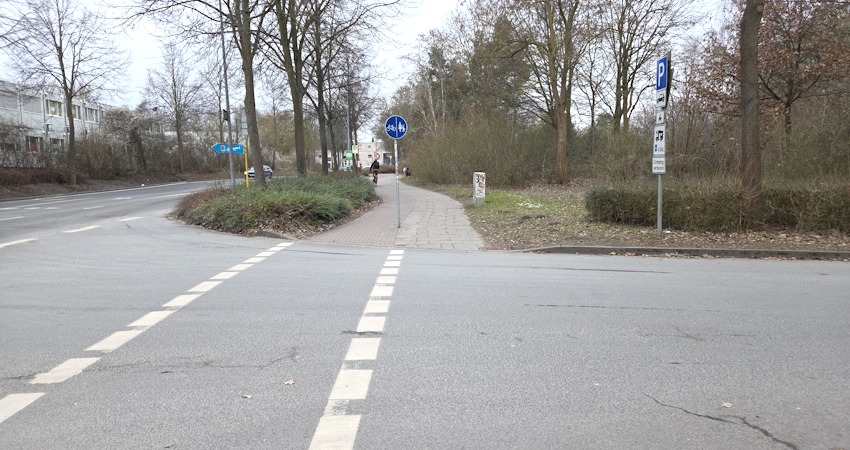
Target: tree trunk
(72, 146)
(247, 53)
(320, 88)
(750, 164)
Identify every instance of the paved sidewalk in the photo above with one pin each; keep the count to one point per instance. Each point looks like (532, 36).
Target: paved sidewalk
(428, 220)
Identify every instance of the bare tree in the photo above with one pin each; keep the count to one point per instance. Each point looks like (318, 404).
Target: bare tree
(635, 32)
(246, 21)
(175, 91)
(60, 43)
(556, 40)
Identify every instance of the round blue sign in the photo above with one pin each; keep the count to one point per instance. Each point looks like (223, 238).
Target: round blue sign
(396, 127)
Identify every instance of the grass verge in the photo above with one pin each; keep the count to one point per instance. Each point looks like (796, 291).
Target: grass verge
(296, 206)
(550, 215)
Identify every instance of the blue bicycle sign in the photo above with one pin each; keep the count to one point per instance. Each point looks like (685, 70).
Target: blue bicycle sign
(396, 127)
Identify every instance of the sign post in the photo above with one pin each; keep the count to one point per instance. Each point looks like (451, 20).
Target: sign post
(663, 77)
(396, 128)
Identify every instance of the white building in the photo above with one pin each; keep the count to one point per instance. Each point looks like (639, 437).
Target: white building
(30, 119)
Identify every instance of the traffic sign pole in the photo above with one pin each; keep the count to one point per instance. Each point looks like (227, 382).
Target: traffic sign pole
(663, 81)
(396, 128)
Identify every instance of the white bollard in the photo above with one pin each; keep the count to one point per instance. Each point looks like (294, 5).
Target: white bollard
(479, 180)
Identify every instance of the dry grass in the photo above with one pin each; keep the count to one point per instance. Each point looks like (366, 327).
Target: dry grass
(550, 215)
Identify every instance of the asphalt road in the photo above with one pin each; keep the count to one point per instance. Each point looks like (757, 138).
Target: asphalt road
(145, 333)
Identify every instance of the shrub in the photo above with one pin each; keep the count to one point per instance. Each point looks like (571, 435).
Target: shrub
(719, 206)
(287, 204)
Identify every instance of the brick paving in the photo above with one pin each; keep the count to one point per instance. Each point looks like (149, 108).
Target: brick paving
(428, 220)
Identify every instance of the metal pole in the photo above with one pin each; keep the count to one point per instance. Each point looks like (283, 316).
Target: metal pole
(397, 195)
(659, 206)
(229, 142)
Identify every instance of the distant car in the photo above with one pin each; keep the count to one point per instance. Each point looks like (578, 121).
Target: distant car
(266, 170)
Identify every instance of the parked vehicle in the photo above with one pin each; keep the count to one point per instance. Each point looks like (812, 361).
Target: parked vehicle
(266, 170)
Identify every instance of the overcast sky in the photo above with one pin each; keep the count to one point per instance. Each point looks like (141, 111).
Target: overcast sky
(145, 50)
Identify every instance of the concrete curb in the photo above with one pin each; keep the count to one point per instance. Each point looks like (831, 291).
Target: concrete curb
(699, 252)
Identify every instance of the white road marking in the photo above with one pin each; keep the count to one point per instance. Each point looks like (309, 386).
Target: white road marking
(82, 229)
(150, 319)
(266, 254)
(380, 290)
(335, 433)
(12, 218)
(363, 349)
(377, 307)
(385, 280)
(129, 219)
(206, 286)
(20, 241)
(254, 260)
(240, 267)
(371, 324)
(396, 252)
(123, 198)
(392, 264)
(181, 301)
(114, 341)
(170, 196)
(10, 208)
(351, 385)
(284, 244)
(92, 207)
(12, 403)
(389, 271)
(394, 258)
(224, 276)
(64, 371)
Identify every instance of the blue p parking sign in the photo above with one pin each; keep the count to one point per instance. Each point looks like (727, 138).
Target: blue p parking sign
(661, 73)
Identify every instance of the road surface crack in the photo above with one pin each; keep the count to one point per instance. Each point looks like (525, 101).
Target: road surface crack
(727, 419)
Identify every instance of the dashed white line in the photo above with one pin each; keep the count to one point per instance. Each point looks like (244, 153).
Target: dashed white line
(19, 241)
(150, 319)
(335, 433)
(385, 280)
(380, 290)
(377, 307)
(117, 339)
(181, 301)
(127, 219)
(266, 254)
(363, 349)
(351, 385)
(240, 267)
(92, 207)
(12, 403)
(11, 218)
(224, 276)
(78, 230)
(206, 286)
(371, 324)
(336, 429)
(254, 260)
(64, 371)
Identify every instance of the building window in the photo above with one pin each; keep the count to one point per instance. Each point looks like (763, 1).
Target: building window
(91, 115)
(77, 111)
(54, 108)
